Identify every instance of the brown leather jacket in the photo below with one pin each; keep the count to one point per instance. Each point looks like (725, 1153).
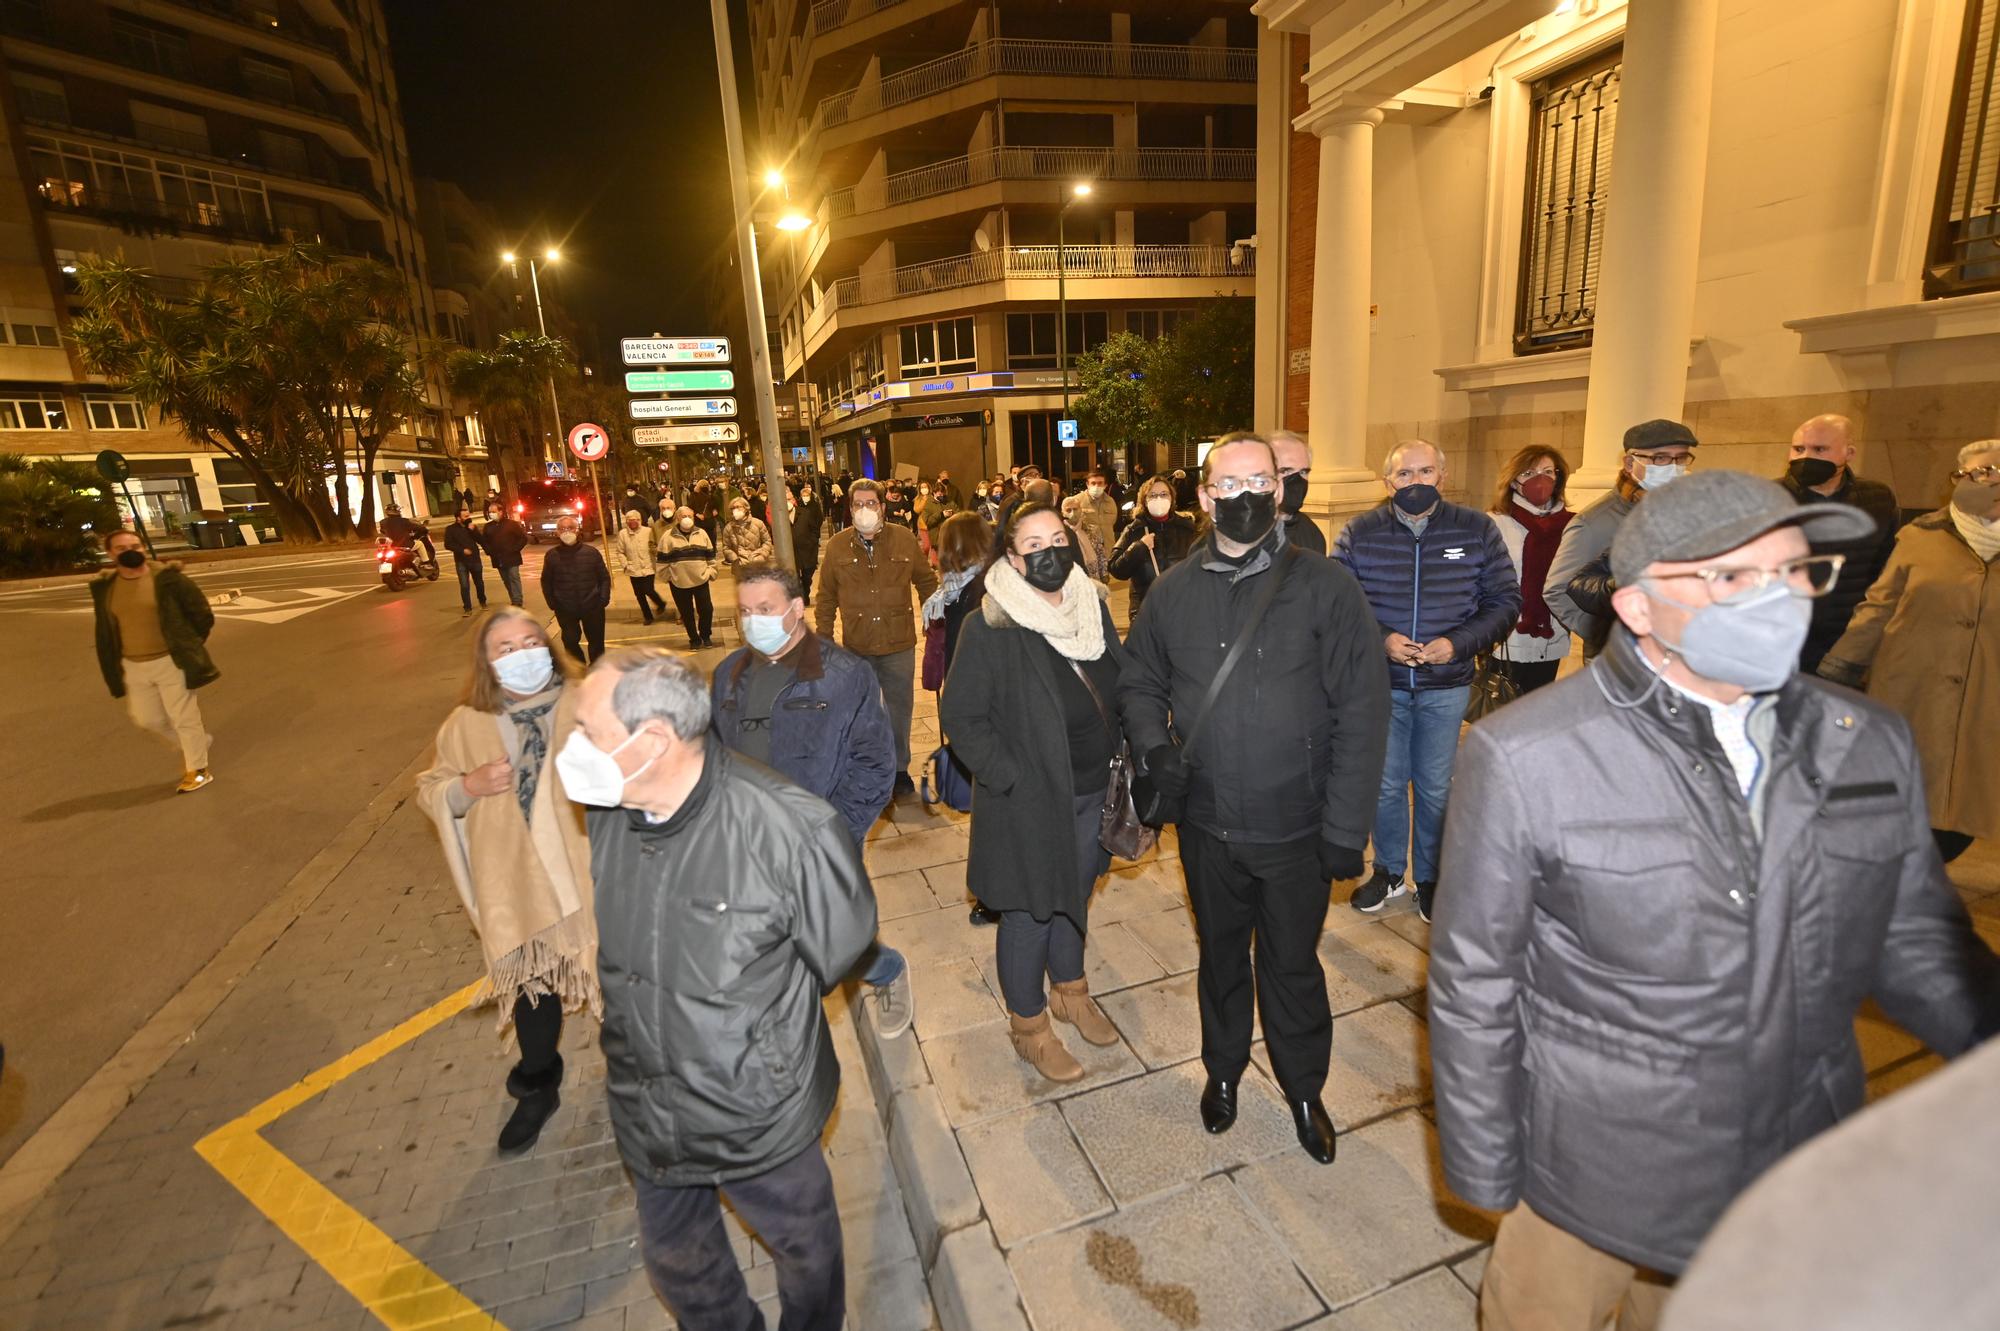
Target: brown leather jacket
(868, 590)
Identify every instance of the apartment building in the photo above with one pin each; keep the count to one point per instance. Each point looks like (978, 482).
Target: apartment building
(968, 169)
(174, 134)
(1546, 220)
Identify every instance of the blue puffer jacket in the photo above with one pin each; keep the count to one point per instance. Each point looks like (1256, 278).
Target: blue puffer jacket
(1455, 582)
(829, 730)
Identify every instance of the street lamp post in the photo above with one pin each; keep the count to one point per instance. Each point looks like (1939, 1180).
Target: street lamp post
(1078, 193)
(551, 255)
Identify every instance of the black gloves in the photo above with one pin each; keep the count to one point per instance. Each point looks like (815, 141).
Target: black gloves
(1338, 862)
(1167, 770)
(1159, 793)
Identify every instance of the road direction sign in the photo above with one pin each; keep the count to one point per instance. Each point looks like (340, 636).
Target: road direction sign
(679, 381)
(1066, 431)
(671, 408)
(589, 442)
(722, 432)
(675, 350)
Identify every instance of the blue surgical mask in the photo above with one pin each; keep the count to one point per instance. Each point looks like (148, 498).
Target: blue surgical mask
(1653, 475)
(766, 633)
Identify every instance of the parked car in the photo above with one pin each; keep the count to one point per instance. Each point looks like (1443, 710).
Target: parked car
(541, 503)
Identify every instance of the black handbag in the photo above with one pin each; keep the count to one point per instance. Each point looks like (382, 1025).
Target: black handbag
(1492, 687)
(1156, 807)
(1118, 827)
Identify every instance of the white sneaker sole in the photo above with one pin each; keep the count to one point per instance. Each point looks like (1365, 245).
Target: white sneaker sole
(1394, 892)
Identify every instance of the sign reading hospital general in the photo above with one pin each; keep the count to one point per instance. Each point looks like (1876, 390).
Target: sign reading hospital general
(670, 408)
(675, 350)
(655, 436)
(589, 442)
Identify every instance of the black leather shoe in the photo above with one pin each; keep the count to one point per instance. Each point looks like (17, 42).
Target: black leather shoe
(1315, 1129)
(979, 914)
(1218, 1105)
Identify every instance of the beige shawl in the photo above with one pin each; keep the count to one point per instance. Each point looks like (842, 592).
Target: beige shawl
(526, 884)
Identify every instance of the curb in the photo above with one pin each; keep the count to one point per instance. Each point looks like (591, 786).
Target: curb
(972, 1287)
(78, 1121)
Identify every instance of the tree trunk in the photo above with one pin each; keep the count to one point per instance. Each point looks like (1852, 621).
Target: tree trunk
(295, 524)
(368, 444)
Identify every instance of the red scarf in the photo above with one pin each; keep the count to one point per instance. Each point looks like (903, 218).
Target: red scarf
(1537, 551)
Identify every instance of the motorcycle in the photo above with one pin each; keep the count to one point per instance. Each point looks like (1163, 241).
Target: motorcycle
(399, 564)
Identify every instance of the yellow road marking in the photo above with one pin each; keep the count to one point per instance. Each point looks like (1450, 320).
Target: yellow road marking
(390, 1283)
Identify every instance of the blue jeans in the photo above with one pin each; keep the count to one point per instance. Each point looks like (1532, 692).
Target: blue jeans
(1423, 747)
(510, 578)
(880, 965)
(470, 577)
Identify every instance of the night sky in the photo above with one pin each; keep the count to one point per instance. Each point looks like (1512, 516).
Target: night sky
(594, 125)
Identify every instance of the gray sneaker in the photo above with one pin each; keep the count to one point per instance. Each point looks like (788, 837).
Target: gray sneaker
(895, 1006)
(1374, 894)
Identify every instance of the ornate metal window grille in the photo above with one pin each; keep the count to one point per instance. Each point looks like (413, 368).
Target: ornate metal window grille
(1965, 238)
(1572, 127)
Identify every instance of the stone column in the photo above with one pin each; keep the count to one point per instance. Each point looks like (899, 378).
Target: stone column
(1652, 232)
(1343, 258)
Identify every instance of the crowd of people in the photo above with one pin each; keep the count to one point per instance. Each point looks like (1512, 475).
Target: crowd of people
(1659, 885)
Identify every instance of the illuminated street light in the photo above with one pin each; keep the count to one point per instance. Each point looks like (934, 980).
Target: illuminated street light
(1081, 189)
(774, 179)
(551, 254)
(507, 256)
(1078, 193)
(794, 221)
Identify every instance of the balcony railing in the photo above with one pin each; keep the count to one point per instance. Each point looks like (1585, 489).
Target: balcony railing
(830, 14)
(146, 212)
(1009, 55)
(1079, 263)
(1033, 163)
(351, 175)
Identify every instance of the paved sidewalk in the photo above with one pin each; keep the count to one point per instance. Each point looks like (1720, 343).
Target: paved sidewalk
(1111, 1207)
(142, 1232)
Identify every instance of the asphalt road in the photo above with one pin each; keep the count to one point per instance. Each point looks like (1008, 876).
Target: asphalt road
(115, 890)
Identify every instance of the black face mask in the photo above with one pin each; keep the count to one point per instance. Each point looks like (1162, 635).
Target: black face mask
(1809, 472)
(1294, 497)
(132, 558)
(1416, 500)
(1246, 518)
(1048, 568)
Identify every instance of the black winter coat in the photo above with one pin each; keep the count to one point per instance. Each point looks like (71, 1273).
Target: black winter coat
(1295, 746)
(463, 542)
(504, 541)
(1173, 537)
(719, 931)
(1004, 720)
(574, 579)
(807, 519)
(1866, 558)
(185, 621)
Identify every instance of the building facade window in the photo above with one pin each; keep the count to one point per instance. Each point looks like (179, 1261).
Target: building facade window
(115, 413)
(30, 334)
(1573, 122)
(149, 48)
(1088, 330)
(266, 81)
(169, 128)
(943, 347)
(1965, 236)
(1031, 341)
(25, 410)
(41, 98)
(1152, 324)
(76, 175)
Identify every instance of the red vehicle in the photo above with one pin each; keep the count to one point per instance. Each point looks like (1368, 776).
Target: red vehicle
(540, 504)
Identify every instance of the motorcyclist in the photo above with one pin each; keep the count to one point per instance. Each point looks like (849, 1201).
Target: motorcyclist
(406, 533)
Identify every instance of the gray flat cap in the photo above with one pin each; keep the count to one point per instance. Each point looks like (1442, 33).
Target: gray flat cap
(1710, 512)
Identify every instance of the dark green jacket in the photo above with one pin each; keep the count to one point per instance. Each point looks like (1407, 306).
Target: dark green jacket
(185, 620)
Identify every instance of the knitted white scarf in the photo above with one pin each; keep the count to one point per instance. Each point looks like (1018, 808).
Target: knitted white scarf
(1075, 628)
(1981, 535)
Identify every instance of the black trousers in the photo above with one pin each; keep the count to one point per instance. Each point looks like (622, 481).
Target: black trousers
(806, 572)
(1531, 675)
(1950, 844)
(574, 629)
(1276, 895)
(696, 607)
(538, 1030)
(648, 597)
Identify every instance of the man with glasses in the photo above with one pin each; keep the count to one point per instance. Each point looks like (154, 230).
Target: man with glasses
(1275, 786)
(1295, 462)
(1821, 471)
(1443, 589)
(1670, 881)
(1579, 586)
(866, 578)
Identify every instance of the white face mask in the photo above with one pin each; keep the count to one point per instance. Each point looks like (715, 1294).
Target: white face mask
(736, 514)
(592, 776)
(1652, 476)
(867, 520)
(1159, 506)
(1095, 490)
(687, 524)
(568, 537)
(525, 671)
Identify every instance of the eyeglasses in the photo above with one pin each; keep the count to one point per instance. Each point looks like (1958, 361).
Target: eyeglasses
(1228, 487)
(1806, 578)
(1987, 475)
(1665, 459)
(1538, 471)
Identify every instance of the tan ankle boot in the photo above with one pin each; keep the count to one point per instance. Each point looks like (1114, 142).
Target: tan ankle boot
(1070, 1001)
(1035, 1040)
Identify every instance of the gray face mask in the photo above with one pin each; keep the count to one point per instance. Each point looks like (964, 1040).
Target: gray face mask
(1752, 644)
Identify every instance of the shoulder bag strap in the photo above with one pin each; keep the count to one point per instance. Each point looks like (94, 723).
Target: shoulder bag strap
(1103, 714)
(1242, 643)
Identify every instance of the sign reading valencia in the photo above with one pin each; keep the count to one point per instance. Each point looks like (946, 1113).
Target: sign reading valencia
(675, 350)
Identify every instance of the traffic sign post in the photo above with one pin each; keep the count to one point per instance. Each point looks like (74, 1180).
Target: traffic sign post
(675, 408)
(655, 436)
(679, 381)
(113, 467)
(589, 442)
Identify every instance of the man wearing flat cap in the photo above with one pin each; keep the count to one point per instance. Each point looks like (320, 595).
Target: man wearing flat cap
(1668, 883)
(1579, 584)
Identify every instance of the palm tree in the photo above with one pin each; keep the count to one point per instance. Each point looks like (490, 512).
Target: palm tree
(509, 387)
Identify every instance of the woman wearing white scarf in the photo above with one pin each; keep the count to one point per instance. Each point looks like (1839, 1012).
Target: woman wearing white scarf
(1030, 710)
(1927, 642)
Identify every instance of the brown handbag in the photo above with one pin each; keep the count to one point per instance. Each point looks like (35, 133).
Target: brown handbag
(1118, 827)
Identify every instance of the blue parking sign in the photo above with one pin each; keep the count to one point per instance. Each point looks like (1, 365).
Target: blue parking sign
(1066, 432)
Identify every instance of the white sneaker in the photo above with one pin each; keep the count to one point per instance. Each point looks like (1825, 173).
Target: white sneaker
(895, 1006)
